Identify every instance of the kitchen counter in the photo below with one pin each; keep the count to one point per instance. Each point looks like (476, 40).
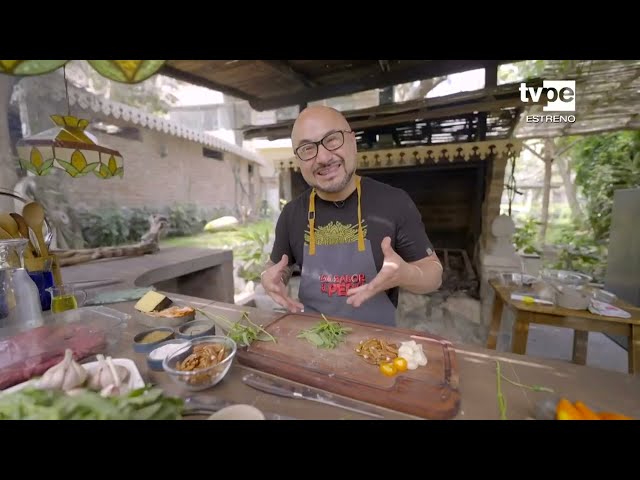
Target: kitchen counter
(601, 389)
(198, 272)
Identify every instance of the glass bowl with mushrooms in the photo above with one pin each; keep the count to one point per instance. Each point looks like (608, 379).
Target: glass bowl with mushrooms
(202, 363)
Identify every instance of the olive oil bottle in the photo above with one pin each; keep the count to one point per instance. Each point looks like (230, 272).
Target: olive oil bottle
(63, 303)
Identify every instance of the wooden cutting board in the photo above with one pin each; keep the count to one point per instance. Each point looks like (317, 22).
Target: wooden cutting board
(429, 392)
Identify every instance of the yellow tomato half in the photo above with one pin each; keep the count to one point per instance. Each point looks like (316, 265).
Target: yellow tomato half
(388, 369)
(400, 363)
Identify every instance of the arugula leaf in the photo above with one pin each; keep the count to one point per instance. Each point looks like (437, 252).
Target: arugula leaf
(325, 334)
(243, 335)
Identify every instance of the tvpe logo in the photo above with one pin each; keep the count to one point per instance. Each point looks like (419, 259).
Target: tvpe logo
(560, 95)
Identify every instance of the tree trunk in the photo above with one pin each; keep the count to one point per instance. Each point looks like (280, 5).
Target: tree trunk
(549, 148)
(569, 188)
(8, 174)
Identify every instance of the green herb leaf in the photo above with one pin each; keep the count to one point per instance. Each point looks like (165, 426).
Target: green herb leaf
(147, 403)
(325, 334)
(243, 335)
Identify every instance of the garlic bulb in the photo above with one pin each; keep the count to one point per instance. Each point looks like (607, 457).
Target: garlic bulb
(107, 374)
(66, 375)
(113, 390)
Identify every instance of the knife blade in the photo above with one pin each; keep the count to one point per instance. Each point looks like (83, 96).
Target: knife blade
(209, 405)
(288, 389)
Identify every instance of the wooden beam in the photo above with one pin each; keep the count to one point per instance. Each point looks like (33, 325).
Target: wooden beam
(549, 147)
(202, 81)
(533, 151)
(283, 67)
(429, 69)
(384, 65)
(557, 154)
(376, 121)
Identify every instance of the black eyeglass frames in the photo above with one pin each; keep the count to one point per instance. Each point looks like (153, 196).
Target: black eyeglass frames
(331, 141)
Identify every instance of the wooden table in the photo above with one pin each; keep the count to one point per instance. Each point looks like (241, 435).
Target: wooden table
(600, 388)
(581, 321)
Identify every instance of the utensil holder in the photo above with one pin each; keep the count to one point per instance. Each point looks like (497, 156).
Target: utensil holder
(45, 272)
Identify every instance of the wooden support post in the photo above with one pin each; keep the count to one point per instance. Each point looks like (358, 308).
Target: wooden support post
(549, 147)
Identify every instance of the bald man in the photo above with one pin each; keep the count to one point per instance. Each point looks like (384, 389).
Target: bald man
(356, 240)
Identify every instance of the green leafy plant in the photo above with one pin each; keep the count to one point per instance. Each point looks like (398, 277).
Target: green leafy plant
(603, 164)
(325, 334)
(253, 253)
(526, 235)
(243, 335)
(579, 251)
(145, 403)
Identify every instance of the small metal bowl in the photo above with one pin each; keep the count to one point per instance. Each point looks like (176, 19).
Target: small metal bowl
(155, 363)
(196, 328)
(145, 347)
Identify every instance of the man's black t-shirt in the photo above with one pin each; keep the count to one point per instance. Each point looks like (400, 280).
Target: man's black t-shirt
(386, 211)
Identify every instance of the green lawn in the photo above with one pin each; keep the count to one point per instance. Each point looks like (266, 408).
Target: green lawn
(230, 239)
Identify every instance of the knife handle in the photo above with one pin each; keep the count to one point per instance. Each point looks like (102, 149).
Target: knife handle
(271, 387)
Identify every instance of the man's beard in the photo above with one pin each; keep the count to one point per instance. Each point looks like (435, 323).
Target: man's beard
(338, 186)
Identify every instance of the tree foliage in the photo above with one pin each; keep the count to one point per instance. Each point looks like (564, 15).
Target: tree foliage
(520, 71)
(155, 95)
(603, 164)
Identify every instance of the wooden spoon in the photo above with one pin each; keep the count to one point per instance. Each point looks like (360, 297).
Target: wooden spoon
(33, 214)
(23, 230)
(9, 225)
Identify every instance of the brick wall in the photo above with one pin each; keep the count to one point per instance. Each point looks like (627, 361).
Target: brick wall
(183, 176)
(159, 169)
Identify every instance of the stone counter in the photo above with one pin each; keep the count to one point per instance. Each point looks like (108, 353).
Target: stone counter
(196, 272)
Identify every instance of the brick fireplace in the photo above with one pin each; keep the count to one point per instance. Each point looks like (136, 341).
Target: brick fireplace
(449, 198)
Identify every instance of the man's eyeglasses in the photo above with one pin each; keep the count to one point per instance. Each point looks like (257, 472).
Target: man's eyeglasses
(331, 141)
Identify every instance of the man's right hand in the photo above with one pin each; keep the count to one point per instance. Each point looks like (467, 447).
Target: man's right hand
(273, 284)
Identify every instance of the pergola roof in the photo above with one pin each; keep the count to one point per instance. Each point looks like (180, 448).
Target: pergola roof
(272, 84)
(607, 99)
(490, 113)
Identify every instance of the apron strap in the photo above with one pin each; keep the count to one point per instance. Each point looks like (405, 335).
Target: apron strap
(312, 223)
(360, 232)
(312, 220)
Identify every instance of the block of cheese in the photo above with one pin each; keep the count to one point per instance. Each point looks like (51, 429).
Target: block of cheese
(153, 302)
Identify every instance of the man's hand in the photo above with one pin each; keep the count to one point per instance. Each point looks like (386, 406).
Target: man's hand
(273, 284)
(388, 277)
(422, 276)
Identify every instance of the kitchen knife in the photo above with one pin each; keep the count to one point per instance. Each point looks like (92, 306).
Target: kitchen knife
(209, 405)
(288, 389)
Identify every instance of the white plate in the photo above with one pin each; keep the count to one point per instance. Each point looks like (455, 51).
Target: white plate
(135, 379)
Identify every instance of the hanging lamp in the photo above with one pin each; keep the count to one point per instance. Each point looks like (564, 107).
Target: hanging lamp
(123, 71)
(69, 147)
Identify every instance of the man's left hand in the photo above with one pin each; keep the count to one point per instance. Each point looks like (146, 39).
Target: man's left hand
(388, 277)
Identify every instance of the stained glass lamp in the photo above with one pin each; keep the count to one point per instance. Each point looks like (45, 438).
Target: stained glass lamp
(69, 147)
(123, 71)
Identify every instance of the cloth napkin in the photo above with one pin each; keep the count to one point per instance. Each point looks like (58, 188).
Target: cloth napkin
(606, 309)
